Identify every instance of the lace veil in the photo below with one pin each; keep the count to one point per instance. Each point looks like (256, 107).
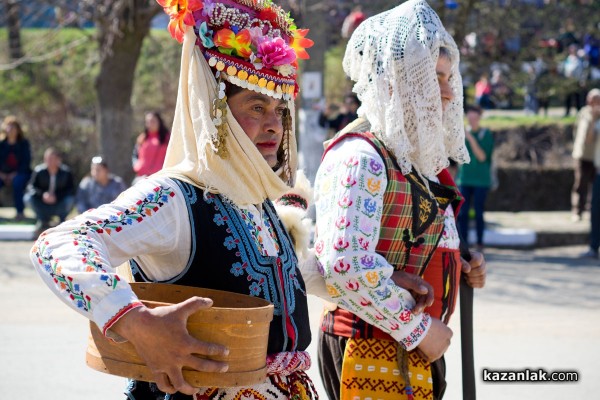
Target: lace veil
(391, 57)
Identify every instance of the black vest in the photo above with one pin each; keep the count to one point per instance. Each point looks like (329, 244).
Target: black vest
(224, 256)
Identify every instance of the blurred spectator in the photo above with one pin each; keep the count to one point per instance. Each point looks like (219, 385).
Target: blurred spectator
(531, 96)
(592, 132)
(151, 146)
(347, 114)
(583, 154)
(15, 161)
(352, 21)
(573, 70)
(501, 91)
(100, 187)
(51, 190)
(483, 93)
(548, 85)
(567, 37)
(475, 178)
(591, 46)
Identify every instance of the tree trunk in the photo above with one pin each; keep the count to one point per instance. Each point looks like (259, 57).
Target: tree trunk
(114, 87)
(15, 50)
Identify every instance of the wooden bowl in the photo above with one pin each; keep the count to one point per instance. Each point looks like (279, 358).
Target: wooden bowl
(237, 321)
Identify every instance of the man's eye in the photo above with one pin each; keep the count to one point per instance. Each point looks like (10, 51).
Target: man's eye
(258, 108)
(280, 111)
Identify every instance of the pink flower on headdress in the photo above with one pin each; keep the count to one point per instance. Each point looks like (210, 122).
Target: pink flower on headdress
(181, 13)
(229, 42)
(275, 52)
(256, 36)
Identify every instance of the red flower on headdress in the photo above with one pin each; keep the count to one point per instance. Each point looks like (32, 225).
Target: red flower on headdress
(228, 41)
(268, 14)
(299, 43)
(181, 15)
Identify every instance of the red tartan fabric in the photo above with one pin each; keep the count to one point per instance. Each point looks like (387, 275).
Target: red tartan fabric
(411, 226)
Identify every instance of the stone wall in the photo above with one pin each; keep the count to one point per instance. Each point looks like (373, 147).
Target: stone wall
(535, 169)
(522, 189)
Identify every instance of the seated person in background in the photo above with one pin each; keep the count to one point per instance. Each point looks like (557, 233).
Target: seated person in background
(99, 187)
(51, 190)
(15, 161)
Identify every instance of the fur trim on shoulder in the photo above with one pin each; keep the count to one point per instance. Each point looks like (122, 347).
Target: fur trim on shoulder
(292, 208)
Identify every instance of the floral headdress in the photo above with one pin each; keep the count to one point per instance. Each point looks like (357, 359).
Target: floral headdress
(253, 44)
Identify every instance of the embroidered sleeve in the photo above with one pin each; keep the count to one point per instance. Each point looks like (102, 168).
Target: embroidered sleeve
(349, 201)
(77, 259)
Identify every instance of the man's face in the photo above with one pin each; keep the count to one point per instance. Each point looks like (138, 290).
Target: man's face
(260, 116)
(52, 161)
(443, 69)
(98, 172)
(473, 118)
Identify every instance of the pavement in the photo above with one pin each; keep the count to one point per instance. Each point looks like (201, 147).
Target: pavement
(540, 309)
(503, 229)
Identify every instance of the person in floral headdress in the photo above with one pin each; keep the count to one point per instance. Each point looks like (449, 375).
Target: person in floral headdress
(208, 217)
(385, 203)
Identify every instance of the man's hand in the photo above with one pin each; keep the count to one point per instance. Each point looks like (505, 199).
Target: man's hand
(160, 337)
(48, 198)
(475, 270)
(436, 342)
(421, 290)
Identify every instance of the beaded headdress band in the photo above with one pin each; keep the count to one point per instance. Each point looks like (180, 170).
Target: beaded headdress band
(253, 44)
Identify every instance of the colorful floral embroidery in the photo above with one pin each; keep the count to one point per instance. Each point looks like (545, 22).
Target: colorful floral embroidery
(354, 207)
(373, 186)
(348, 181)
(136, 213)
(375, 167)
(85, 246)
(230, 242)
(369, 207)
(255, 230)
(219, 219)
(238, 268)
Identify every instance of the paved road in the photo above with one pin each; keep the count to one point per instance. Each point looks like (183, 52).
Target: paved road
(541, 309)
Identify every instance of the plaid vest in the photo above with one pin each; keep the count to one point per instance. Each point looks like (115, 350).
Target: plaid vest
(412, 224)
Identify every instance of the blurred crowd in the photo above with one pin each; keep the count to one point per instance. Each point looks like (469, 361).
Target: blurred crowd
(566, 68)
(49, 188)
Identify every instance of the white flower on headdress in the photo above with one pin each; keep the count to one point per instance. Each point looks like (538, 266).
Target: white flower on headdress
(257, 62)
(285, 70)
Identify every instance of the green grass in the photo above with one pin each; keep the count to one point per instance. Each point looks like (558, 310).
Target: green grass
(498, 122)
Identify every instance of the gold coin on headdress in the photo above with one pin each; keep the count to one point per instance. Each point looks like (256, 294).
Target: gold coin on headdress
(243, 75)
(278, 89)
(220, 66)
(270, 85)
(262, 82)
(253, 79)
(231, 70)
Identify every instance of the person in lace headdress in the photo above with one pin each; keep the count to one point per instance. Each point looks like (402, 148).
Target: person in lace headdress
(208, 217)
(385, 202)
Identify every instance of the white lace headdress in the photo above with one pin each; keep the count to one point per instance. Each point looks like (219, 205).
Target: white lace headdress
(392, 58)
